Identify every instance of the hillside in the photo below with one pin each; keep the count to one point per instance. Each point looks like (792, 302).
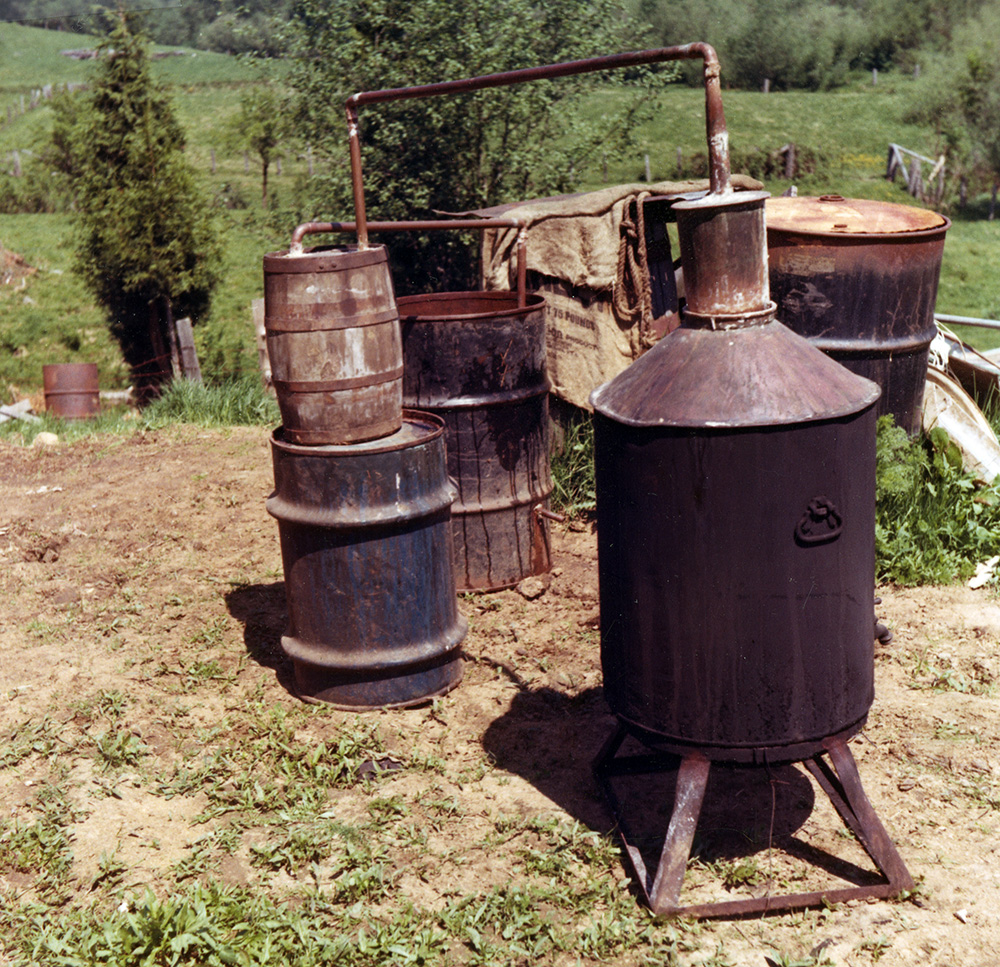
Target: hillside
(841, 139)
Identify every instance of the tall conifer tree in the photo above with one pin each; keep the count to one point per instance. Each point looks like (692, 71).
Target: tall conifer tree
(145, 244)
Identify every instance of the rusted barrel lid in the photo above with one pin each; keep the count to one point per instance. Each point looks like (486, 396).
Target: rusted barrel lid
(833, 215)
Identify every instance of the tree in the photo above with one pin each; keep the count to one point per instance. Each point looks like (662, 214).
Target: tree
(145, 245)
(452, 153)
(261, 126)
(960, 94)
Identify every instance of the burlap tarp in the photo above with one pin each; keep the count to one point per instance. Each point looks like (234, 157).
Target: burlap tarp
(586, 255)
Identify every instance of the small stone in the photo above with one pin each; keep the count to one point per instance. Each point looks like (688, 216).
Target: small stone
(534, 587)
(66, 596)
(962, 915)
(45, 439)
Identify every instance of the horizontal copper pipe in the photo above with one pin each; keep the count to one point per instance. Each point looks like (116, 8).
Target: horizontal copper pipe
(715, 121)
(315, 228)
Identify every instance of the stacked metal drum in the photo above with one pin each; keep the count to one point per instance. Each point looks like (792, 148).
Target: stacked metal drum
(362, 495)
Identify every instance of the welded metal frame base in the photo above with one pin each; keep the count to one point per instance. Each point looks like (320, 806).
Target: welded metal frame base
(661, 888)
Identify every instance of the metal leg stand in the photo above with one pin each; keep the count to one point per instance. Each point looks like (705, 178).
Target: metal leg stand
(661, 891)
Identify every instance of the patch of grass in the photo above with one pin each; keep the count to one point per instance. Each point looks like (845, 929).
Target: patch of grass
(28, 739)
(40, 847)
(108, 703)
(574, 491)
(815, 958)
(119, 748)
(264, 766)
(235, 402)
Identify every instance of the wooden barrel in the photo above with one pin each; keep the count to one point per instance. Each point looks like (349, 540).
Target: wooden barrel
(334, 344)
(71, 390)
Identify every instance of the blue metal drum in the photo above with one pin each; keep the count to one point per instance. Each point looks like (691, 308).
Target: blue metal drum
(366, 545)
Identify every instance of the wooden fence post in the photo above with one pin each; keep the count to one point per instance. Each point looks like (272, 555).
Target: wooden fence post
(788, 151)
(257, 308)
(190, 367)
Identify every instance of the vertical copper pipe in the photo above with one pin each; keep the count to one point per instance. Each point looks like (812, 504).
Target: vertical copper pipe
(522, 267)
(354, 140)
(715, 123)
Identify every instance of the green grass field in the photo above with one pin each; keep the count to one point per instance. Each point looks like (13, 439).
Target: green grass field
(53, 319)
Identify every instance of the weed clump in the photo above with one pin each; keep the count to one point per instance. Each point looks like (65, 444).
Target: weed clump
(934, 522)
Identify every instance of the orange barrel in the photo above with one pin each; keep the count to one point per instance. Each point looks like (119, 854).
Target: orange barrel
(334, 343)
(71, 390)
(859, 280)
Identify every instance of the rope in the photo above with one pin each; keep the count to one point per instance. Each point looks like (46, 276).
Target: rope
(632, 296)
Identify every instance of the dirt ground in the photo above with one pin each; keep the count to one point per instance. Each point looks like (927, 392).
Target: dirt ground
(146, 567)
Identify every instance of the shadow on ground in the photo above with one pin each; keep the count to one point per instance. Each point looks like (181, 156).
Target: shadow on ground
(263, 612)
(552, 740)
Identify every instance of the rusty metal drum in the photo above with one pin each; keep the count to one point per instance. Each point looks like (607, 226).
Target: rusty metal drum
(477, 360)
(333, 339)
(736, 518)
(859, 279)
(366, 546)
(71, 390)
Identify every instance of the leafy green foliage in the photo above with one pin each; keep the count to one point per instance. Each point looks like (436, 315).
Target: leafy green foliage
(806, 45)
(145, 247)
(933, 522)
(459, 152)
(262, 126)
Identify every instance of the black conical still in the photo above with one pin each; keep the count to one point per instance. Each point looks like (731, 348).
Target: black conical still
(757, 374)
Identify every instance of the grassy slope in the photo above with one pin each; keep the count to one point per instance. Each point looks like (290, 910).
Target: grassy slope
(849, 129)
(53, 319)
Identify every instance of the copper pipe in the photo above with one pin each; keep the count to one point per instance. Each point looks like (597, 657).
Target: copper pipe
(715, 121)
(314, 228)
(522, 267)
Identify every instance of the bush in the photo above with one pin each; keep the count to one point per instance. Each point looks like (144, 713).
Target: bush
(758, 163)
(574, 492)
(933, 523)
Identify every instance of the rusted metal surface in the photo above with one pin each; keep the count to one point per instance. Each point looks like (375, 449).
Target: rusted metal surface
(724, 232)
(715, 121)
(366, 546)
(661, 888)
(334, 344)
(477, 360)
(71, 390)
(859, 279)
(735, 473)
(758, 374)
